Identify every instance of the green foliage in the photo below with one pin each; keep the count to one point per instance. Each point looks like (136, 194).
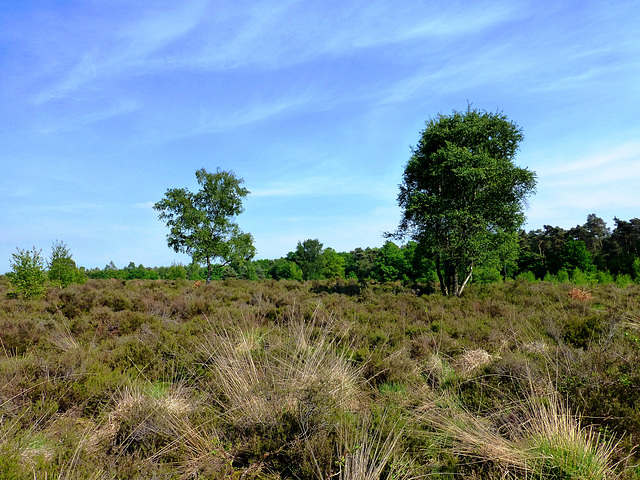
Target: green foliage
(527, 276)
(462, 195)
(390, 263)
(308, 256)
(285, 269)
(578, 277)
(487, 275)
(176, 271)
(62, 270)
(563, 276)
(574, 255)
(333, 264)
(131, 272)
(635, 268)
(28, 276)
(201, 224)
(603, 277)
(623, 280)
(361, 263)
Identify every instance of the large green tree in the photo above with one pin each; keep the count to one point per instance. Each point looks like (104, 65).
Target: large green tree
(202, 224)
(462, 195)
(308, 256)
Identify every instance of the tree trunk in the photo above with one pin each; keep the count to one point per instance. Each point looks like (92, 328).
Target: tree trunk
(455, 286)
(443, 287)
(466, 280)
(209, 270)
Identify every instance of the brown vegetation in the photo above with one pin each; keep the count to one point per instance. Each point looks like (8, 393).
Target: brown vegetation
(275, 380)
(580, 294)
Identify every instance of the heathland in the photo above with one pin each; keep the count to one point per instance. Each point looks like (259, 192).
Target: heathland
(269, 379)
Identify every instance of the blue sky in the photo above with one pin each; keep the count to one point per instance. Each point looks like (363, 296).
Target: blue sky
(105, 104)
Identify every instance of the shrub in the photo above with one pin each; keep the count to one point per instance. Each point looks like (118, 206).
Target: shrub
(528, 276)
(603, 277)
(487, 275)
(578, 277)
(62, 269)
(623, 280)
(635, 268)
(563, 276)
(28, 277)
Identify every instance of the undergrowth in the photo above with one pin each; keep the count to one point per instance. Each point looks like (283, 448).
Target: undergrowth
(293, 380)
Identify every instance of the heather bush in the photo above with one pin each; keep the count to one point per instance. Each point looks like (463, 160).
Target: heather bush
(319, 379)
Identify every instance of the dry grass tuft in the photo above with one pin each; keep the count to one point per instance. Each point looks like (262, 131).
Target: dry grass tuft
(471, 360)
(62, 337)
(557, 442)
(367, 453)
(260, 381)
(547, 442)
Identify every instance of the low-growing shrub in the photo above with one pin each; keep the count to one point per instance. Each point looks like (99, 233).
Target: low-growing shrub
(280, 379)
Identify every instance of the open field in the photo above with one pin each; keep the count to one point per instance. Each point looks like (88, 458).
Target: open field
(316, 380)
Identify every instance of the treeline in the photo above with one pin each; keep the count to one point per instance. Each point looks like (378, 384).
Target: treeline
(591, 248)
(309, 261)
(588, 253)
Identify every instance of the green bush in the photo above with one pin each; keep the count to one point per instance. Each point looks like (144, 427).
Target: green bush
(563, 276)
(487, 275)
(623, 280)
(28, 276)
(578, 277)
(603, 277)
(528, 276)
(62, 269)
(635, 268)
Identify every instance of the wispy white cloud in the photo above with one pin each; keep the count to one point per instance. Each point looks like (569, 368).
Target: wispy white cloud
(144, 205)
(259, 35)
(326, 186)
(252, 113)
(55, 123)
(628, 152)
(267, 36)
(15, 191)
(127, 49)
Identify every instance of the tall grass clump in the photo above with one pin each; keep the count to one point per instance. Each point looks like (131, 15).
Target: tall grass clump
(538, 438)
(261, 379)
(285, 380)
(560, 447)
(370, 452)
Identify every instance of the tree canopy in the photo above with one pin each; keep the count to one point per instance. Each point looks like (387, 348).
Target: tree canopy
(308, 256)
(462, 196)
(202, 224)
(62, 269)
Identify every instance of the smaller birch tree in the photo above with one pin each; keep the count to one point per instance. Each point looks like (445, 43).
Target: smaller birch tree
(202, 224)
